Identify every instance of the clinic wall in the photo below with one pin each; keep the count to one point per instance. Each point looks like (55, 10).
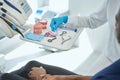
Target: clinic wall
(41, 3)
(98, 37)
(83, 7)
(33, 4)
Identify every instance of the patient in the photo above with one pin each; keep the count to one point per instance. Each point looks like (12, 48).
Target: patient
(38, 71)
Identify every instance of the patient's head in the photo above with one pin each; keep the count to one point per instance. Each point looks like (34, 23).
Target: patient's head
(118, 26)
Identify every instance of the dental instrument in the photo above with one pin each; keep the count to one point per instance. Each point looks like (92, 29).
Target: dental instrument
(13, 27)
(13, 16)
(63, 32)
(50, 34)
(18, 9)
(64, 40)
(50, 40)
(12, 6)
(9, 18)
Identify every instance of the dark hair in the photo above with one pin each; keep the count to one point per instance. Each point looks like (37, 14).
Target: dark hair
(118, 25)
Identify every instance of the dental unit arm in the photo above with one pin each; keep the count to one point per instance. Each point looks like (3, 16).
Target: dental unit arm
(13, 16)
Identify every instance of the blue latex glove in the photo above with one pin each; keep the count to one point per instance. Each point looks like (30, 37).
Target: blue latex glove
(56, 22)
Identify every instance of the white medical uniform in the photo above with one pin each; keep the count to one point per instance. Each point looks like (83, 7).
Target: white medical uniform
(105, 14)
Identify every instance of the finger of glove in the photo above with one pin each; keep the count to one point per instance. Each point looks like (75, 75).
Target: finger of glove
(53, 22)
(53, 28)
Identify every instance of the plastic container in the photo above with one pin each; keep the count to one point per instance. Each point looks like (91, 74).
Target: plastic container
(38, 15)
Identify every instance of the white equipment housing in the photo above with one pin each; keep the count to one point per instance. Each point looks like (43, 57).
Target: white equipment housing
(16, 12)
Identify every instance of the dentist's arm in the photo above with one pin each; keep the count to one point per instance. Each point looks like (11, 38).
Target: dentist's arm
(94, 20)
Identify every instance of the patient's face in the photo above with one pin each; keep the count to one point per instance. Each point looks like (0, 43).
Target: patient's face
(118, 26)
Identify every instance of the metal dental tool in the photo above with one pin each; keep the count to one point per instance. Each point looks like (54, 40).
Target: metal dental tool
(64, 40)
(50, 40)
(64, 32)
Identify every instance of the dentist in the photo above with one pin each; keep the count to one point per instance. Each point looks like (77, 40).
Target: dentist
(105, 15)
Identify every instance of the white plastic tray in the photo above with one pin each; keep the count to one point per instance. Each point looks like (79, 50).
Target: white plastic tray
(57, 43)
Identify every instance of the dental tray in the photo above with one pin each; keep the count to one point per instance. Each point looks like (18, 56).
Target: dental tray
(64, 40)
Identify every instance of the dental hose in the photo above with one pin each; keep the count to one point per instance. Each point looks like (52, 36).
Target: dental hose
(13, 27)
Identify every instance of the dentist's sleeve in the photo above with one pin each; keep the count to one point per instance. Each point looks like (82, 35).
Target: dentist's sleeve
(92, 21)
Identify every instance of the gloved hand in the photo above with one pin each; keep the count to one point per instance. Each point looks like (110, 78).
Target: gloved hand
(56, 22)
